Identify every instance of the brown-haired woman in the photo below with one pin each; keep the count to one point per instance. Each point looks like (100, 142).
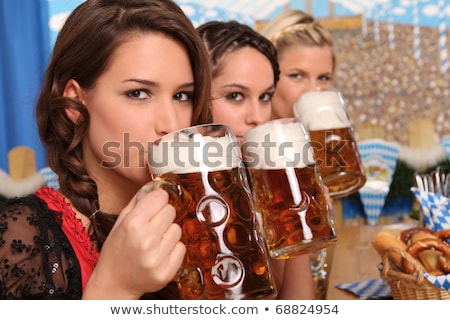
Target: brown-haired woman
(245, 73)
(122, 74)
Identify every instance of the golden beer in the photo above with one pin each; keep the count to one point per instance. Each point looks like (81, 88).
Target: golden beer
(294, 210)
(324, 114)
(226, 257)
(338, 160)
(287, 189)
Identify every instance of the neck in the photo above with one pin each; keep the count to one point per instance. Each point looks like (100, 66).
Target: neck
(115, 186)
(115, 194)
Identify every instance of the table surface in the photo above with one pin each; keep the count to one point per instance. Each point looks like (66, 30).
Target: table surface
(354, 258)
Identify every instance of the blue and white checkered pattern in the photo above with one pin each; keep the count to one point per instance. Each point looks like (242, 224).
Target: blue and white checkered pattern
(435, 209)
(442, 282)
(51, 178)
(436, 216)
(379, 289)
(382, 150)
(445, 141)
(373, 202)
(379, 158)
(368, 289)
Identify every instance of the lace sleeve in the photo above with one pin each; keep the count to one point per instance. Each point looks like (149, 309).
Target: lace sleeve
(36, 259)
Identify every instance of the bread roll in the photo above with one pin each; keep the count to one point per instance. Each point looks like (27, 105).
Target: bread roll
(384, 240)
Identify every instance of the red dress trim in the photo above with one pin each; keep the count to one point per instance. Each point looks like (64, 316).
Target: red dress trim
(74, 230)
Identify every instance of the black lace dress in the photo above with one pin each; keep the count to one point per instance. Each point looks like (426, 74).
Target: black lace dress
(46, 253)
(37, 260)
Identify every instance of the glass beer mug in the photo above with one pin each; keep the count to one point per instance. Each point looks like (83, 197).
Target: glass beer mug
(325, 116)
(201, 167)
(287, 189)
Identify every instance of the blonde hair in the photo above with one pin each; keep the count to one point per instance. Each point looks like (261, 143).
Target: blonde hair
(295, 27)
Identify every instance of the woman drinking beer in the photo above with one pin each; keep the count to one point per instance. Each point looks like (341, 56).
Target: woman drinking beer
(307, 62)
(245, 74)
(306, 57)
(110, 88)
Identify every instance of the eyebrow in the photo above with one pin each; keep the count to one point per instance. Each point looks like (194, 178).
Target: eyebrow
(302, 71)
(229, 86)
(155, 84)
(240, 86)
(142, 81)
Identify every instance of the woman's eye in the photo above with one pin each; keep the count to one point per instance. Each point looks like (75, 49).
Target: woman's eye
(184, 96)
(138, 94)
(266, 97)
(325, 78)
(295, 76)
(235, 96)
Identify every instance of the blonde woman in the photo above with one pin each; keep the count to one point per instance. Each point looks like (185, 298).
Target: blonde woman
(307, 62)
(305, 55)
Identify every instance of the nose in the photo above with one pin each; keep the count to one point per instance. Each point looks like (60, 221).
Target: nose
(255, 115)
(315, 85)
(167, 119)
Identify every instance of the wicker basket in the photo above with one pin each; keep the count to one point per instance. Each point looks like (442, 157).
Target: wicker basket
(406, 286)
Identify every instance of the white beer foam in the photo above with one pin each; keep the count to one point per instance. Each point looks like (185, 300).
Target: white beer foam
(321, 110)
(289, 147)
(184, 152)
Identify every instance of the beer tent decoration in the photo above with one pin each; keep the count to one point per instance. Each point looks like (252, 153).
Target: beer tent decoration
(379, 158)
(416, 31)
(445, 140)
(201, 12)
(443, 37)
(255, 9)
(431, 13)
(417, 13)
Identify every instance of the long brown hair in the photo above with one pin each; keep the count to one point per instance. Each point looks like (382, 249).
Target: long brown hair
(82, 51)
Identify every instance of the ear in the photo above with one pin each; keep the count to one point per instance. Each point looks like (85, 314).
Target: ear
(74, 91)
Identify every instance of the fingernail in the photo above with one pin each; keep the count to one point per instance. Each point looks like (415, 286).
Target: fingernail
(149, 187)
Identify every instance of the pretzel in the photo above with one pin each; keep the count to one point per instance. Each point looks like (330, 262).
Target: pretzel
(405, 235)
(425, 244)
(444, 235)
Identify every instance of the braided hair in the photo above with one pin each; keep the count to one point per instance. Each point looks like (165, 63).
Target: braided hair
(221, 38)
(82, 52)
(295, 27)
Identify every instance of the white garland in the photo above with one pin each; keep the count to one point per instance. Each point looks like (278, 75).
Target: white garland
(16, 188)
(421, 159)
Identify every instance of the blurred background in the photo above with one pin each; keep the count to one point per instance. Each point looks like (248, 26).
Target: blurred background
(391, 58)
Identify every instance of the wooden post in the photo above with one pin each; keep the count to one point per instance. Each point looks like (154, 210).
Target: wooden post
(309, 6)
(22, 163)
(421, 133)
(368, 131)
(331, 8)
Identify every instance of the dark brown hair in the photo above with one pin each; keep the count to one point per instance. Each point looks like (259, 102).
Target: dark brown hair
(82, 52)
(221, 38)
